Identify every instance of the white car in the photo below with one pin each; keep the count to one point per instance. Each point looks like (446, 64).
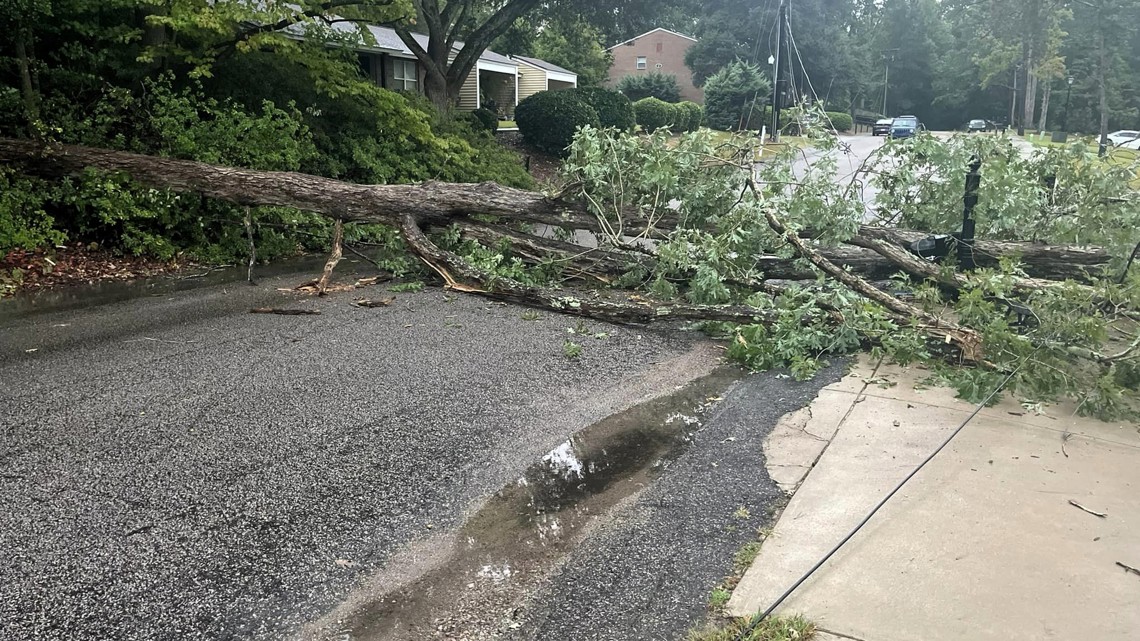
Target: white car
(1130, 144)
(1120, 138)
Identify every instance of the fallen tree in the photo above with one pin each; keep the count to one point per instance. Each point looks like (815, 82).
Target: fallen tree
(706, 240)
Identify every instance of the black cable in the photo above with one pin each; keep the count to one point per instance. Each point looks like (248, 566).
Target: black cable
(760, 618)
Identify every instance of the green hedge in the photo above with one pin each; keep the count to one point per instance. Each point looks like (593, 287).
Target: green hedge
(694, 115)
(548, 119)
(650, 85)
(486, 119)
(653, 114)
(614, 109)
(841, 121)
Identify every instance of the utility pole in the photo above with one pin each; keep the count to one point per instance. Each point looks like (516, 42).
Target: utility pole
(783, 12)
(888, 58)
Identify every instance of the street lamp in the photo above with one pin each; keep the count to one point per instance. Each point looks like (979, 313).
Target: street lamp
(1068, 98)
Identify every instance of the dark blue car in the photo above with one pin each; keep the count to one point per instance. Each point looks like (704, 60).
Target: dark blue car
(904, 127)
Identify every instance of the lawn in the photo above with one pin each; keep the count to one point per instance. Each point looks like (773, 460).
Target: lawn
(1116, 155)
(769, 148)
(508, 124)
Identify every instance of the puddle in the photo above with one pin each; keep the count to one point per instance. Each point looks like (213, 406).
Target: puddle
(99, 293)
(504, 551)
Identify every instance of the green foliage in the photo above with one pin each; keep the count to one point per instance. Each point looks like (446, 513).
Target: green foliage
(549, 119)
(614, 109)
(571, 350)
(773, 628)
(840, 121)
(24, 221)
(731, 95)
(718, 598)
(574, 44)
(1071, 347)
(696, 115)
(486, 119)
(653, 114)
(1061, 195)
(306, 108)
(410, 286)
(650, 85)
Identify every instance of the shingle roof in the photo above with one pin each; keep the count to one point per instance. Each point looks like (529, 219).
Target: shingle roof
(387, 40)
(542, 64)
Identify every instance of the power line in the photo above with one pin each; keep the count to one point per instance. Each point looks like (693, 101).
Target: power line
(757, 620)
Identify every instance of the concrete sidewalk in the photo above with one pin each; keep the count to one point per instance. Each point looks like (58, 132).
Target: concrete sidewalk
(983, 544)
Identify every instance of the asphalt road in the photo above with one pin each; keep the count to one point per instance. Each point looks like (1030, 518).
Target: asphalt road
(648, 574)
(174, 467)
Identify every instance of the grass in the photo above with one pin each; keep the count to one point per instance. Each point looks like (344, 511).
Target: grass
(794, 628)
(767, 149)
(508, 124)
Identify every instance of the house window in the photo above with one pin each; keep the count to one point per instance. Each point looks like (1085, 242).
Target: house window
(404, 75)
(642, 63)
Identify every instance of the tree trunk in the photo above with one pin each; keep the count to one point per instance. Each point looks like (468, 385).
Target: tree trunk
(1029, 104)
(27, 89)
(443, 204)
(436, 90)
(1041, 124)
(1102, 62)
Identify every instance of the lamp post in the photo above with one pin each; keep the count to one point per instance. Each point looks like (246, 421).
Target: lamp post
(1068, 98)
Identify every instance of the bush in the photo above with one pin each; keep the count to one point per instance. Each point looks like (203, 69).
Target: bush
(614, 109)
(695, 114)
(549, 119)
(731, 94)
(840, 121)
(486, 119)
(650, 85)
(653, 114)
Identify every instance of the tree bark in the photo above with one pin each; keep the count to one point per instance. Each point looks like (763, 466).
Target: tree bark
(27, 89)
(443, 204)
(1044, 120)
(1102, 63)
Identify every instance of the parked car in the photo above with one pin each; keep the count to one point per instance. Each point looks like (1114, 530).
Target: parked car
(1131, 144)
(882, 127)
(1118, 138)
(905, 127)
(977, 125)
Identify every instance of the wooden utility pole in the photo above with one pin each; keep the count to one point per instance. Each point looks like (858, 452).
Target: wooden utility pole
(776, 80)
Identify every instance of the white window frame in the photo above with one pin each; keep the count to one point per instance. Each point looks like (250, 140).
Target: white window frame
(400, 79)
(642, 62)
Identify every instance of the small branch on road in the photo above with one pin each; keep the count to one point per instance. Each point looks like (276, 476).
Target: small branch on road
(1092, 512)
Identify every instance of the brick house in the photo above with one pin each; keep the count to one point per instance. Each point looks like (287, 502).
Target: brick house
(658, 50)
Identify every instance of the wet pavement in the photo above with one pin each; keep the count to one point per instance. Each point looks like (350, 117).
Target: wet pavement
(174, 467)
(648, 572)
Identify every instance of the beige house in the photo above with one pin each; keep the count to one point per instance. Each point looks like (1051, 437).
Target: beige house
(496, 81)
(659, 50)
(538, 75)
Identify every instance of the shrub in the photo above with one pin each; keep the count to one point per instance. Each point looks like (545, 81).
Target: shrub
(614, 109)
(694, 115)
(841, 121)
(549, 119)
(486, 119)
(730, 95)
(653, 114)
(650, 85)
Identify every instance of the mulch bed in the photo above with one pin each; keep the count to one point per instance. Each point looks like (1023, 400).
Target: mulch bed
(543, 166)
(23, 271)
